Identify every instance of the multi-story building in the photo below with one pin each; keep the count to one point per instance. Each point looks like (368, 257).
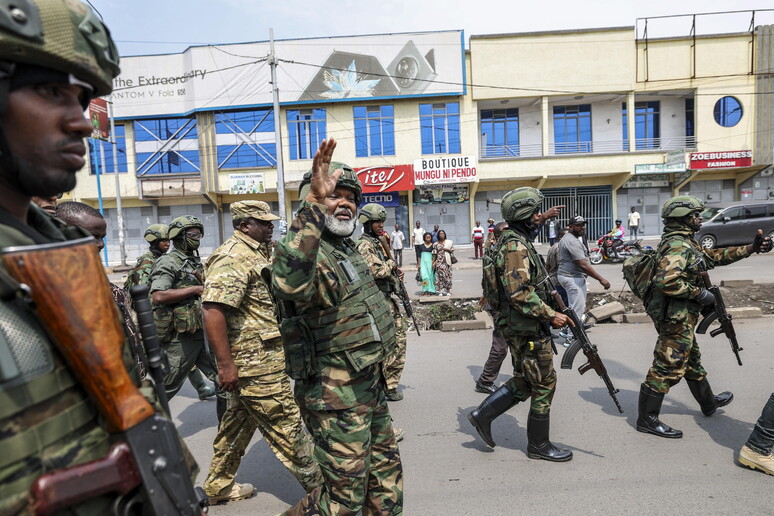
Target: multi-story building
(600, 120)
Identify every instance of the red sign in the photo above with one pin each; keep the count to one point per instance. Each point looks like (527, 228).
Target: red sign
(100, 123)
(399, 178)
(726, 159)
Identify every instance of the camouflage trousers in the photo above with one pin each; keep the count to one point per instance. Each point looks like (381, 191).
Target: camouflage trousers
(677, 354)
(360, 462)
(533, 371)
(395, 362)
(185, 351)
(264, 403)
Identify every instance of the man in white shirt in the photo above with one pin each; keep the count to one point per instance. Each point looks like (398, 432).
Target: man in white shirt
(396, 242)
(416, 238)
(634, 224)
(478, 240)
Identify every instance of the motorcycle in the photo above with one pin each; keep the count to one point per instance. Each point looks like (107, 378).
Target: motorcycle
(607, 251)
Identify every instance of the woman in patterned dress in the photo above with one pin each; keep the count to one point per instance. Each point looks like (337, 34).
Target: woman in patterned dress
(443, 250)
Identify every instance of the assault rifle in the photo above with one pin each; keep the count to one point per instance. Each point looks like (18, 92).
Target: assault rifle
(582, 342)
(720, 314)
(145, 470)
(402, 294)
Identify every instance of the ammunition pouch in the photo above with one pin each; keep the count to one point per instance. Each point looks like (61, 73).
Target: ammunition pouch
(299, 348)
(163, 318)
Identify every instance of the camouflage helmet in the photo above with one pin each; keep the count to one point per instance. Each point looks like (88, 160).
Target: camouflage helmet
(521, 203)
(177, 226)
(63, 35)
(372, 212)
(348, 179)
(156, 232)
(680, 206)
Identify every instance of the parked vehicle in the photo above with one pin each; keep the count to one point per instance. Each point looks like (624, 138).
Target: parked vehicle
(735, 223)
(606, 251)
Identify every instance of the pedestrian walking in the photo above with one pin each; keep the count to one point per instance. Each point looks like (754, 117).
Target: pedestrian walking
(478, 240)
(634, 223)
(417, 238)
(397, 239)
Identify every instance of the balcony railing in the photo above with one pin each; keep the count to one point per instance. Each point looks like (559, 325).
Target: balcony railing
(593, 147)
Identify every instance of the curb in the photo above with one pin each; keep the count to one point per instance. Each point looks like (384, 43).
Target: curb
(741, 312)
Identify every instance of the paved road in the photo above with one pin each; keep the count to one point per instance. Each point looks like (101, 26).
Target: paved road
(616, 470)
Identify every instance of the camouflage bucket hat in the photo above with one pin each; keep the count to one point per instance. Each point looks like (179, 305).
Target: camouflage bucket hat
(63, 35)
(156, 232)
(347, 180)
(180, 224)
(372, 212)
(252, 209)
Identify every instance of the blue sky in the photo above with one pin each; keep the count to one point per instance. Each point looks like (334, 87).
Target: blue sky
(164, 26)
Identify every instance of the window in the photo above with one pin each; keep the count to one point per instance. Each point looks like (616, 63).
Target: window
(647, 125)
(306, 129)
(374, 131)
(728, 112)
(690, 131)
(572, 128)
(439, 126)
(95, 160)
(246, 139)
(166, 146)
(500, 132)
(734, 214)
(755, 212)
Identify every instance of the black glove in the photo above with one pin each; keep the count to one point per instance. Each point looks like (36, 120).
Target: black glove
(761, 244)
(705, 297)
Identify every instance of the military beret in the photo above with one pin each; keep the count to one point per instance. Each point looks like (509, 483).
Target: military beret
(255, 209)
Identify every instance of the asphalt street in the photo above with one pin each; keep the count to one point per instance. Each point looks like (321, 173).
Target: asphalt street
(616, 470)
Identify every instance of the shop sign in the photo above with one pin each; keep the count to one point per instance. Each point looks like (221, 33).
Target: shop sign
(445, 169)
(441, 194)
(399, 178)
(647, 181)
(386, 199)
(246, 183)
(728, 159)
(659, 168)
(675, 157)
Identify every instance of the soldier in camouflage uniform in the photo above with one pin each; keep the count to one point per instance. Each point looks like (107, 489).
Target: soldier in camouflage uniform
(337, 330)
(678, 297)
(51, 67)
(242, 329)
(372, 216)
(176, 284)
(521, 300)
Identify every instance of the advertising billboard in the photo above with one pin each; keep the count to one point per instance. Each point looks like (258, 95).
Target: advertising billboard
(726, 159)
(214, 77)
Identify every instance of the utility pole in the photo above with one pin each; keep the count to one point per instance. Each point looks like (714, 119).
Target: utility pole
(119, 215)
(277, 134)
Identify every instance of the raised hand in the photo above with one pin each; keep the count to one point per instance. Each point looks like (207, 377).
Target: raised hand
(323, 184)
(551, 212)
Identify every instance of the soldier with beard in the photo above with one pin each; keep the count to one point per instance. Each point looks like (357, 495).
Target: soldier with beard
(677, 299)
(337, 330)
(521, 300)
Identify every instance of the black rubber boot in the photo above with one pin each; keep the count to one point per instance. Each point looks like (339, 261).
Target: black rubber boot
(649, 409)
(493, 406)
(540, 447)
(709, 402)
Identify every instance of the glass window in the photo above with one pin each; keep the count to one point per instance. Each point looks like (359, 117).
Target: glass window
(439, 127)
(647, 125)
(306, 129)
(95, 160)
(374, 131)
(755, 212)
(572, 128)
(728, 112)
(689, 120)
(166, 146)
(733, 214)
(246, 139)
(500, 132)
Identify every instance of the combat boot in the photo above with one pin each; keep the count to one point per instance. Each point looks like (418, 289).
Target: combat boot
(649, 409)
(539, 446)
(493, 406)
(708, 402)
(754, 460)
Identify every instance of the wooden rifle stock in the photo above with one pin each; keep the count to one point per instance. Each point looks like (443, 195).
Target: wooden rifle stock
(81, 317)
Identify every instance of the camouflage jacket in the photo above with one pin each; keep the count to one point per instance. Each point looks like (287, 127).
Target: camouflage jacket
(176, 270)
(522, 285)
(676, 280)
(47, 394)
(380, 265)
(140, 274)
(234, 279)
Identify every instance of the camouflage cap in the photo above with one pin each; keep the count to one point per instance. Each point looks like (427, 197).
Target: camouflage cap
(252, 209)
(62, 35)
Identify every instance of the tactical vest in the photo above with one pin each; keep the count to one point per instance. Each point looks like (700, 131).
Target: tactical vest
(386, 285)
(360, 325)
(186, 316)
(511, 320)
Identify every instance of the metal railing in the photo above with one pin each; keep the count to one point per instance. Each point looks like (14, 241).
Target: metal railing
(534, 150)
